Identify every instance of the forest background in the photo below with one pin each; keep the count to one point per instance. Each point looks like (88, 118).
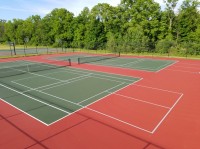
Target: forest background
(134, 26)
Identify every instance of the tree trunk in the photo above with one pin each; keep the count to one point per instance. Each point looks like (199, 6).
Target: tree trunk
(170, 25)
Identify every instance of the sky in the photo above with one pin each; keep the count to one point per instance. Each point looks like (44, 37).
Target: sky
(22, 9)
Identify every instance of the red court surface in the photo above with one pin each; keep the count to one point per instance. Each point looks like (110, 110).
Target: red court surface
(160, 111)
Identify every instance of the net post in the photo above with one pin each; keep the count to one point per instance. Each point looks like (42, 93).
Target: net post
(37, 50)
(79, 61)
(14, 48)
(10, 49)
(70, 63)
(47, 49)
(119, 54)
(24, 50)
(27, 68)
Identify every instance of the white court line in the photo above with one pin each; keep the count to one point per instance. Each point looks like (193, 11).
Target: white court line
(148, 69)
(22, 85)
(81, 105)
(118, 78)
(139, 68)
(101, 93)
(24, 112)
(62, 81)
(52, 78)
(132, 124)
(182, 71)
(33, 99)
(63, 84)
(110, 60)
(166, 66)
(82, 78)
(107, 73)
(151, 103)
(145, 69)
(105, 61)
(131, 68)
(46, 74)
(189, 64)
(24, 63)
(24, 78)
(89, 76)
(107, 79)
(10, 62)
(81, 71)
(34, 89)
(127, 68)
(157, 89)
(118, 120)
(96, 101)
(61, 72)
(89, 97)
(114, 92)
(188, 67)
(151, 68)
(53, 95)
(135, 62)
(167, 113)
(36, 75)
(57, 82)
(61, 118)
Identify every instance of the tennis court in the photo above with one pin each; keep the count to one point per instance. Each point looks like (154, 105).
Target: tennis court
(49, 93)
(114, 60)
(105, 101)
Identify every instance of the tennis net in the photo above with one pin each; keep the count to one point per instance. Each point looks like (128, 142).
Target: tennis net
(35, 67)
(89, 59)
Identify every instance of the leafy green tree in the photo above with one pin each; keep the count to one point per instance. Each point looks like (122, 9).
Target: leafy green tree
(195, 41)
(108, 15)
(35, 29)
(57, 25)
(132, 26)
(170, 8)
(135, 39)
(188, 19)
(95, 37)
(2, 30)
(163, 25)
(145, 13)
(165, 45)
(12, 30)
(79, 27)
(111, 42)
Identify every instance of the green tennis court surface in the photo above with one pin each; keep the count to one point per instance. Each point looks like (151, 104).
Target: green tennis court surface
(145, 64)
(49, 95)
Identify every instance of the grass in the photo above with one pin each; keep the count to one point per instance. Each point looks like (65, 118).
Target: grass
(4, 47)
(7, 47)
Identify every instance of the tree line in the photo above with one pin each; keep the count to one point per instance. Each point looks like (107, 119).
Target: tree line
(132, 26)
